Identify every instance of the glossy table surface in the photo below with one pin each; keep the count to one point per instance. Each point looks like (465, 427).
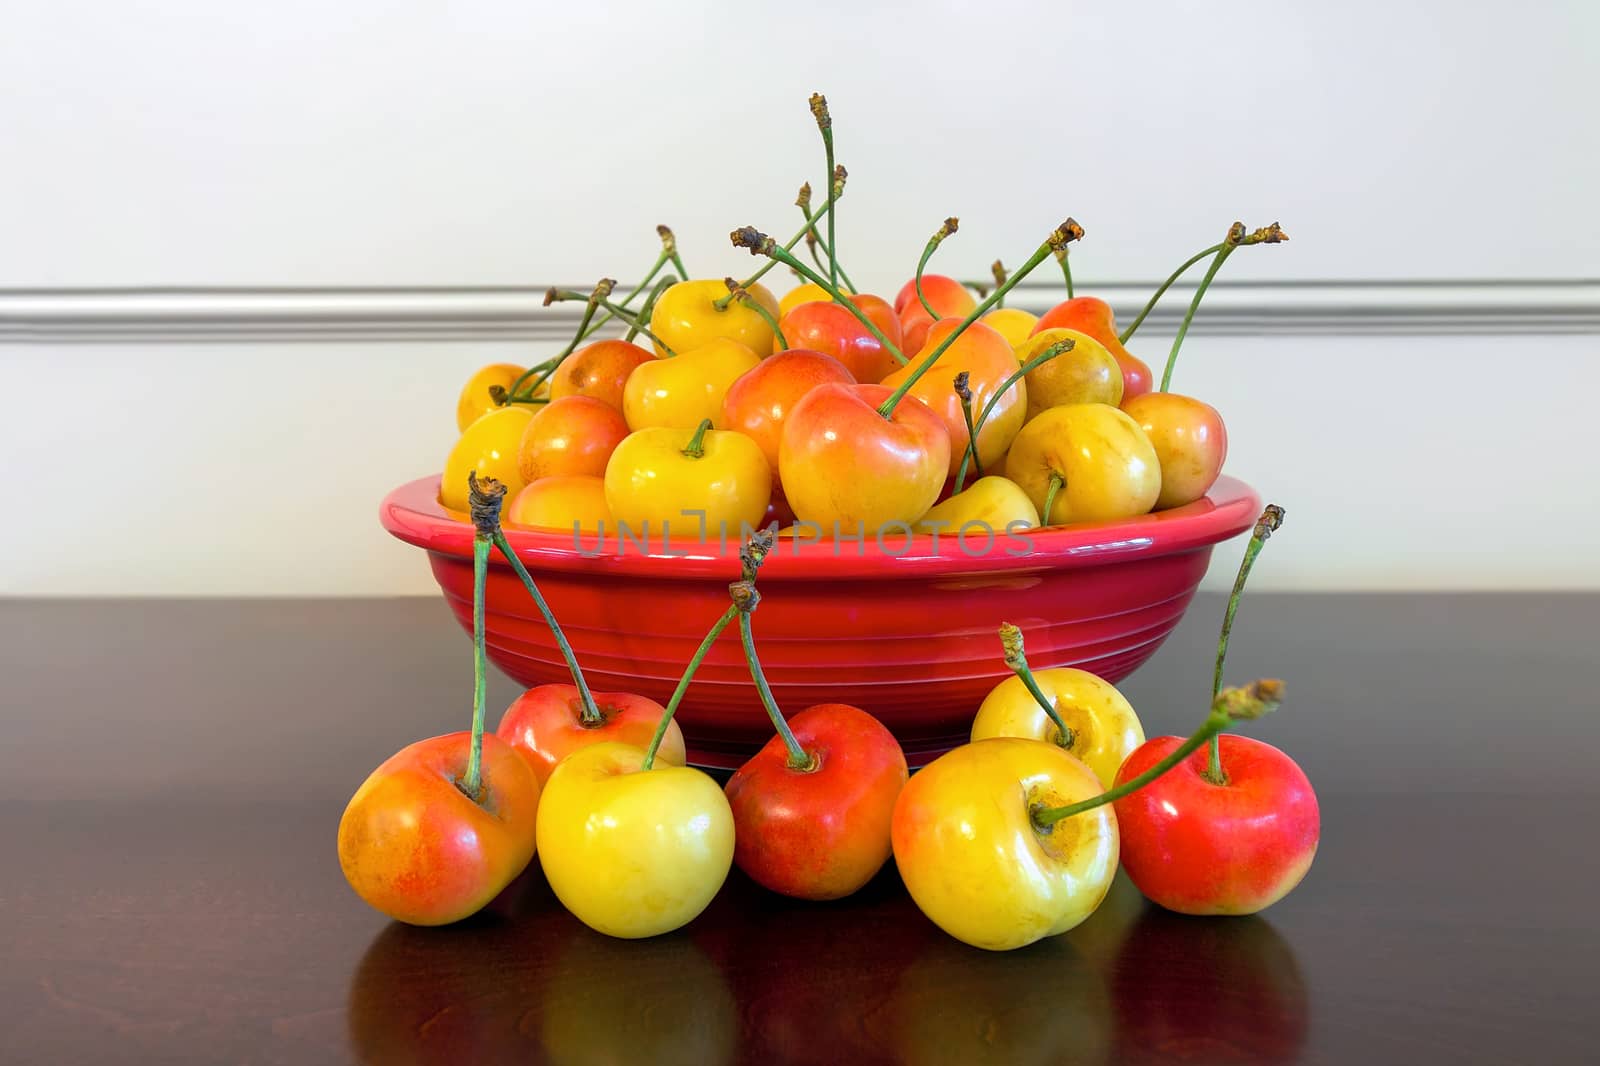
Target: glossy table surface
(171, 775)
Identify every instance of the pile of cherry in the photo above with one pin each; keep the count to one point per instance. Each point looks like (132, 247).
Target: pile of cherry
(1009, 838)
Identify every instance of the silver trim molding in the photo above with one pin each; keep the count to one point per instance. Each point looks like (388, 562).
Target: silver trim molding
(176, 315)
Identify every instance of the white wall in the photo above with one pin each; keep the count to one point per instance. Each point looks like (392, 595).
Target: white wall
(194, 144)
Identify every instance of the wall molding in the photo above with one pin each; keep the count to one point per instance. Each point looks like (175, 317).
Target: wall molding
(489, 313)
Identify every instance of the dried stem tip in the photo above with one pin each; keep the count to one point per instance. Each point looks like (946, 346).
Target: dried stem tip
(551, 295)
(483, 500)
(964, 390)
(839, 176)
(1270, 520)
(1236, 234)
(750, 237)
(499, 395)
(745, 596)
(739, 292)
(950, 226)
(602, 290)
(669, 242)
(1011, 641)
(998, 269)
(755, 551)
(1272, 234)
(804, 199)
(1252, 701)
(1064, 235)
(819, 111)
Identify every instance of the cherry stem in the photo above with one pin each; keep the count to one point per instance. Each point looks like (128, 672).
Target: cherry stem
(1058, 348)
(751, 557)
(1150, 305)
(601, 291)
(742, 294)
(669, 248)
(819, 111)
(1252, 701)
(1059, 238)
(760, 244)
(1236, 238)
(745, 599)
(1266, 525)
(949, 227)
(964, 394)
(999, 270)
(1227, 705)
(696, 448)
(589, 714)
(721, 303)
(1056, 481)
(1194, 305)
(649, 305)
(1066, 268)
(484, 498)
(1011, 641)
(813, 242)
(558, 295)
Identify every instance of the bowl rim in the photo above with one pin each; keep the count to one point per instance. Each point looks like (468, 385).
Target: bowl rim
(412, 513)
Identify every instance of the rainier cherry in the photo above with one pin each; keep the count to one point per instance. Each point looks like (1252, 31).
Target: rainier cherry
(445, 824)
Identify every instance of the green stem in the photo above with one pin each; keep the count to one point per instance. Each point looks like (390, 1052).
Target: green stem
(683, 683)
(1194, 305)
(696, 448)
(1058, 348)
(798, 759)
(1056, 481)
(1150, 305)
(1270, 520)
(472, 780)
(590, 714)
(1011, 641)
(742, 294)
(600, 323)
(1215, 723)
(1227, 705)
(964, 393)
(819, 111)
(649, 305)
(1066, 269)
(601, 291)
(760, 244)
(848, 284)
(949, 227)
(1059, 238)
(558, 295)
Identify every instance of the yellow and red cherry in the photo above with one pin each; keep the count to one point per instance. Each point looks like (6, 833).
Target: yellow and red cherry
(1102, 728)
(948, 297)
(690, 314)
(1085, 373)
(700, 479)
(547, 723)
(599, 370)
(978, 864)
(1089, 462)
(572, 436)
(1093, 316)
(570, 502)
(685, 390)
(759, 403)
(1190, 440)
(827, 327)
(989, 363)
(846, 468)
(488, 448)
(475, 398)
(1234, 847)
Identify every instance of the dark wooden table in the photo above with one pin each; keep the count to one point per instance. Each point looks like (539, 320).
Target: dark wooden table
(171, 775)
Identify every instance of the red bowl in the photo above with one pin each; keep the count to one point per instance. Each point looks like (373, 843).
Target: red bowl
(905, 629)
